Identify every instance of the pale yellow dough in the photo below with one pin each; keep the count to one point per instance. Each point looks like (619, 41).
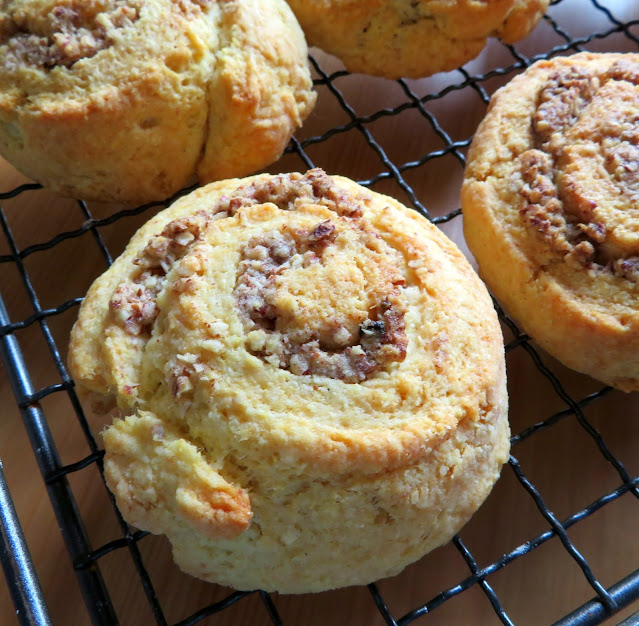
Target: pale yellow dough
(310, 379)
(551, 209)
(412, 38)
(129, 101)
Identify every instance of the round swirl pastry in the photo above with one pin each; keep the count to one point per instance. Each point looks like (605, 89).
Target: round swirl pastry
(308, 375)
(412, 38)
(551, 209)
(130, 100)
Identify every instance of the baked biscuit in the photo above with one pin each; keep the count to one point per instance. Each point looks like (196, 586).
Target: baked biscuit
(412, 38)
(551, 208)
(129, 101)
(308, 375)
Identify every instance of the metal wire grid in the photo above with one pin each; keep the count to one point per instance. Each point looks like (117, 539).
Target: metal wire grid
(86, 559)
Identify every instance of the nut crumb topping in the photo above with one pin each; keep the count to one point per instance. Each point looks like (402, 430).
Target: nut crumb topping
(288, 191)
(345, 348)
(350, 351)
(586, 127)
(69, 31)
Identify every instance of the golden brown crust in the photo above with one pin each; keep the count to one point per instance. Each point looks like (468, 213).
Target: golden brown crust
(148, 461)
(549, 201)
(523, 17)
(412, 38)
(129, 101)
(292, 335)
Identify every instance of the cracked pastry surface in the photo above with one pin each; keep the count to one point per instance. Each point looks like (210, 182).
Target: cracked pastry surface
(129, 101)
(306, 374)
(551, 209)
(412, 38)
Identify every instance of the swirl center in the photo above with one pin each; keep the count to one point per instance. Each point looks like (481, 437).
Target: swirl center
(323, 301)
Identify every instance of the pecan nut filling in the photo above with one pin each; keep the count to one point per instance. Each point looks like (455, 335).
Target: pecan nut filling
(297, 316)
(361, 336)
(580, 181)
(65, 33)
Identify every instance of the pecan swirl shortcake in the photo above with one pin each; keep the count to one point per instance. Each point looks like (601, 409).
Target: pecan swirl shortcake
(308, 380)
(130, 100)
(413, 38)
(551, 209)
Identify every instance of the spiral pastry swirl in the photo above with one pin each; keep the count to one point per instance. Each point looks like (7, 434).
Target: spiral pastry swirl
(551, 205)
(413, 38)
(306, 373)
(131, 100)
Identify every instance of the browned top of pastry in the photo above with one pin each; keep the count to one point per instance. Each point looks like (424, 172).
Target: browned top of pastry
(312, 284)
(129, 101)
(551, 205)
(412, 38)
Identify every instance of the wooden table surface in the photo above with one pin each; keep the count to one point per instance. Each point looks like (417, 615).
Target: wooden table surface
(563, 461)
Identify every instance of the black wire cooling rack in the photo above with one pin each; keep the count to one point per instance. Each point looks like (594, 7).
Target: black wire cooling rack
(413, 176)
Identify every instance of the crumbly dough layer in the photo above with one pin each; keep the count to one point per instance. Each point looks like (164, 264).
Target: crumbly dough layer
(412, 38)
(551, 209)
(307, 375)
(129, 101)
